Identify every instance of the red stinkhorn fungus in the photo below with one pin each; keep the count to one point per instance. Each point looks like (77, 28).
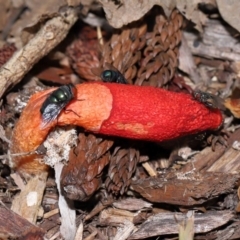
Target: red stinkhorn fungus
(128, 111)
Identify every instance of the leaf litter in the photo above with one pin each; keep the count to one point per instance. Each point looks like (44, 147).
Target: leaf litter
(109, 190)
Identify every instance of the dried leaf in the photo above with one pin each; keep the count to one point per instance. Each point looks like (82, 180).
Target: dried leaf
(38, 12)
(32, 19)
(230, 12)
(190, 10)
(124, 11)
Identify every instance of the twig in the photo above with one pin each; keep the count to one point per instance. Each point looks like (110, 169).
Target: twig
(9, 155)
(79, 232)
(149, 169)
(99, 35)
(49, 36)
(51, 213)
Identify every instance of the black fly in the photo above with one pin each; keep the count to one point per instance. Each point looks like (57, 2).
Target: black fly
(109, 73)
(113, 76)
(209, 100)
(56, 102)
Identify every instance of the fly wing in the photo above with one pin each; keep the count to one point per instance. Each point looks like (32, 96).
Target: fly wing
(50, 113)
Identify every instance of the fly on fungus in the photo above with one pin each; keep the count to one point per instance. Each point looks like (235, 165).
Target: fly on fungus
(56, 102)
(209, 100)
(113, 76)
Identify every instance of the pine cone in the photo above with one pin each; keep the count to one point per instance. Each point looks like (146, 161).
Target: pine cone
(122, 166)
(6, 53)
(125, 50)
(161, 53)
(84, 53)
(82, 176)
